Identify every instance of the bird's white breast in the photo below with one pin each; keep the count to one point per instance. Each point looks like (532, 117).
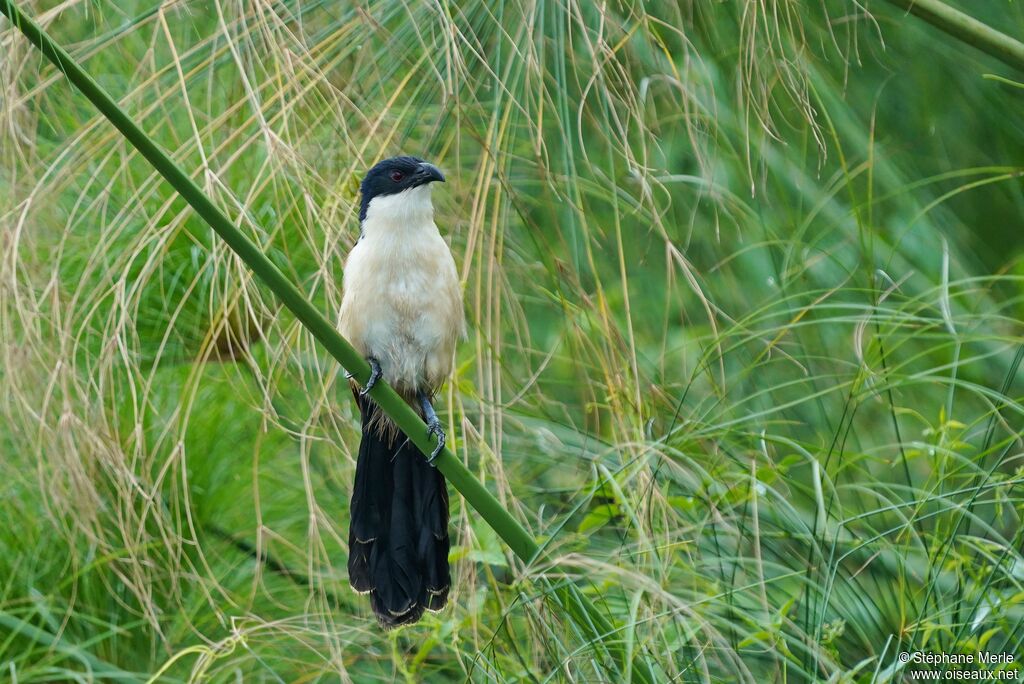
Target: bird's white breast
(402, 303)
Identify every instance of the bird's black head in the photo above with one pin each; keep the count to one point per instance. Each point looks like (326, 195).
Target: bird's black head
(394, 175)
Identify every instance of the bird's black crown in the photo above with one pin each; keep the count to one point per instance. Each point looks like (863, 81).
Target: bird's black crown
(394, 175)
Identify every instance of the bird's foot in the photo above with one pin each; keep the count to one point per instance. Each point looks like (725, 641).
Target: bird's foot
(375, 374)
(433, 426)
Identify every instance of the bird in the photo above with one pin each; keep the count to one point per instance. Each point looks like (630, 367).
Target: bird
(402, 310)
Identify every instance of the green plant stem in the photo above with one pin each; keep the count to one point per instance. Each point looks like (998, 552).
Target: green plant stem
(591, 621)
(968, 29)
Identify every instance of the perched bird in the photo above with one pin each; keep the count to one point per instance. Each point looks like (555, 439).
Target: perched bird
(402, 309)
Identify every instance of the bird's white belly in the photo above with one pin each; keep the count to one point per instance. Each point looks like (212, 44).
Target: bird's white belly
(405, 327)
(398, 308)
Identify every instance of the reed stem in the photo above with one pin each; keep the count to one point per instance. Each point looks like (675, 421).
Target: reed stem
(968, 29)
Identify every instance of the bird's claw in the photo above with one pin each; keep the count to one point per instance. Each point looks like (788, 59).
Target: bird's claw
(434, 429)
(433, 425)
(375, 374)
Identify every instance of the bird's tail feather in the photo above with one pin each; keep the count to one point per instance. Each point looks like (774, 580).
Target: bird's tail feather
(398, 536)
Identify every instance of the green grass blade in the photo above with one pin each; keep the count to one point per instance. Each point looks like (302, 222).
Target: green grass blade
(40, 636)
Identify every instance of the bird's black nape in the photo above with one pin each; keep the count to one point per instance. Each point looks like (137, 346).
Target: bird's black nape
(395, 175)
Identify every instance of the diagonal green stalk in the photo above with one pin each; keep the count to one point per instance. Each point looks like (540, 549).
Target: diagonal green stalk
(968, 29)
(594, 624)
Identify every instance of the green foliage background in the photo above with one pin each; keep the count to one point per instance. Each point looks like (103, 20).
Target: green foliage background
(744, 289)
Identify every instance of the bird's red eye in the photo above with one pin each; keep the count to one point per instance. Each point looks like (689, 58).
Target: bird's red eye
(397, 176)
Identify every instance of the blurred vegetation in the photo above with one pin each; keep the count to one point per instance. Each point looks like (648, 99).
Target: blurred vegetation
(744, 287)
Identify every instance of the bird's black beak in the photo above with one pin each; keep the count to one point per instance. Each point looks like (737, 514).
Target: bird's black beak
(428, 173)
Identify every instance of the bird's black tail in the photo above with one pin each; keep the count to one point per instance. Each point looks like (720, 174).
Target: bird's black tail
(398, 536)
